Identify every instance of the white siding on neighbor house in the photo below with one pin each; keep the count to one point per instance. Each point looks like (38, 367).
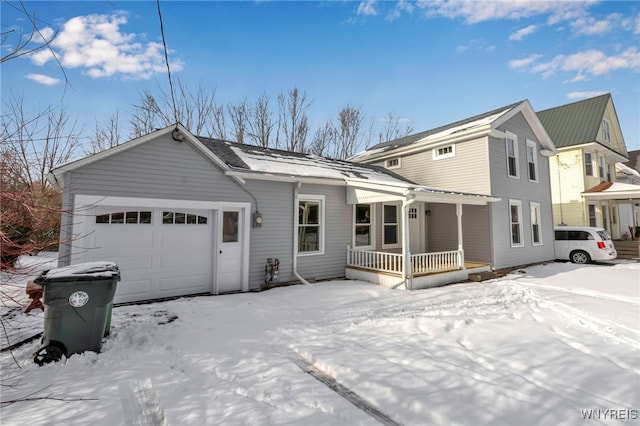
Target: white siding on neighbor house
(466, 171)
(337, 234)
(521, 189)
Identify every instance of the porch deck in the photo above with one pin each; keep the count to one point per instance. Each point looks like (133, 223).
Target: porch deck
(426, 269)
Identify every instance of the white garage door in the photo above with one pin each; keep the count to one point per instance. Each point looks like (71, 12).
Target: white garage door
(161, 252)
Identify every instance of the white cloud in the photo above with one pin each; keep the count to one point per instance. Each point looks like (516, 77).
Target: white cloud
(367, 8)
(524, 62)
(96, 45)
(476, 45)
(588, 25)
(402, 6)
(637, 25)
(474, 12)
(521, 33)
(43, 79)
(589, 63)
(586, 95)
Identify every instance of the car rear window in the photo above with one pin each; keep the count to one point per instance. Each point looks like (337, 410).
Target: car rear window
(573, 235)
(604, 235)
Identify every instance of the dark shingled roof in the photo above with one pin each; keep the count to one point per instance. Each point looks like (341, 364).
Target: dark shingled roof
(634, 160)
(408, 140)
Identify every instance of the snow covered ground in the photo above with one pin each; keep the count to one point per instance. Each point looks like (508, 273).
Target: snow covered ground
(549, 345)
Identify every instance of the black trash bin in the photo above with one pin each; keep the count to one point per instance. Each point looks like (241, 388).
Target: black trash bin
(77, 308)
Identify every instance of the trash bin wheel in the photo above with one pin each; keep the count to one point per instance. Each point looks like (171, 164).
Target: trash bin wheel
(51, 353)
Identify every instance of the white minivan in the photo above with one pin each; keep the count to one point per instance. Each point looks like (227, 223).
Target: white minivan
(583, 244)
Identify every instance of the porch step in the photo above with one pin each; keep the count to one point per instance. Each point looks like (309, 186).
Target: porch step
(627, 249)
(484, 276)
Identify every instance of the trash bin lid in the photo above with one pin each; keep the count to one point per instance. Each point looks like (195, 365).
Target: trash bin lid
(81, 272)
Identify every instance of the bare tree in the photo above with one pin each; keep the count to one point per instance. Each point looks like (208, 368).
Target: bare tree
(324, 139)
(261, 121)
(106, 136)
(193, 108)
(392, 129)
(239, 116)
(217, 123)
(349, 132)
(293, 121)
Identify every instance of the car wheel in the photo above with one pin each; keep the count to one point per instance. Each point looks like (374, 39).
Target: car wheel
(580, 256)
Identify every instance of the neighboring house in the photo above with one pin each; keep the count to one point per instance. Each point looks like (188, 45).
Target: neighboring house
(589, 140)
(629, 173)
(182, 214)
(501, 153)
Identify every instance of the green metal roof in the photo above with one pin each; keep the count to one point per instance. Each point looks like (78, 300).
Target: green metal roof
(576, 123)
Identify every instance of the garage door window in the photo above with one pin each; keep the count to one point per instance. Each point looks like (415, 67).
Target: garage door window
(143, 217)
(180, 218)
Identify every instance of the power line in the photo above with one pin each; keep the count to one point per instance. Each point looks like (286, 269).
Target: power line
(166, 60)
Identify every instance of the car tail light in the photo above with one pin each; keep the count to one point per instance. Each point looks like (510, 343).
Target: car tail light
(601, 245)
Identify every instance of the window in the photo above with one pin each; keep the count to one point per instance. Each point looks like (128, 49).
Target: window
(363, 218)
(588, 164)
(536, 232)
(609, 173)
(614, 214)
(532, 161)
(515, 214)
(131, 217)
(393, 163)
(310, 224)
(230, 226)
(512, 155)
(606, 132)
(601, 168)
(182, 218)
(592, 215)
(391, 228)
(444, 152)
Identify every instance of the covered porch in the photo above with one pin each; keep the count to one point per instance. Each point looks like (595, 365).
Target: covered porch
(410, 265)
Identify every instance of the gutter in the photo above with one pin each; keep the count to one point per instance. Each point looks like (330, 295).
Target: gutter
(295, 235)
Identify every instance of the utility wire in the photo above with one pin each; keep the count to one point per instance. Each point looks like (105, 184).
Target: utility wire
(166, 60)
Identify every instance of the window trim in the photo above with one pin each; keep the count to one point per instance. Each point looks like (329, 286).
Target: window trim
(538, 220)
(436, 152)
(589, 164)
(517, 203)
(514, 138)
(372, 227)
(534, 148)
(601, 167)
(398, 225)
(321, 233)
(395, 166)
(606, 130)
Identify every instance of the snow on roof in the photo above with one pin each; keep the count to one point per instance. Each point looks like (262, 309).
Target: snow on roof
(309, 165)
(466, 126)
(622, 168)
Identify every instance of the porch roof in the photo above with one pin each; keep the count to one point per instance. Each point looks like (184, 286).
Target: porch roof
(366, 192)
(613, 191)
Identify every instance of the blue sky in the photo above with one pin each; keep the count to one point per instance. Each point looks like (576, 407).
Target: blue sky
(430, 63)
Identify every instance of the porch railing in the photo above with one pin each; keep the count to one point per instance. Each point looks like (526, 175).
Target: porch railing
(421, 263)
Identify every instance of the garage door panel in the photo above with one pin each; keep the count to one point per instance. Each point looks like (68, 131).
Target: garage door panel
(109, 237)
(156, 259)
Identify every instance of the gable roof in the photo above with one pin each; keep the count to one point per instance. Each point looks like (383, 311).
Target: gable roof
(578, 123)
(486, 122)
(634, 160)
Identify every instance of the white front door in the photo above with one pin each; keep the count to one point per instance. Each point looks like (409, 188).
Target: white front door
(230, 240)
(416, 244)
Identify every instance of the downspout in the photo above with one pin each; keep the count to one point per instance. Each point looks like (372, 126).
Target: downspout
(295, 235)
(406, 255)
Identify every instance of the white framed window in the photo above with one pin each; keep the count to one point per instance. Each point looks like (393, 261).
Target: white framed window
(392, 163)
(536, 229)
(588, 164)
(601, 168)
(515, 218)
(135, 217)
(606, 130)
(363, 226)
(532, 161)
(442, 152)
(593, 220)
(391, 226)
(310, 224)
(511, 145)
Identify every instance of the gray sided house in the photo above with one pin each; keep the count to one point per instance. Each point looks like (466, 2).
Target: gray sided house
(503, 154)
(182, 214)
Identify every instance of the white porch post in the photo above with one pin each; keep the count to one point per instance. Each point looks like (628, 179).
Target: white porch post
(460, 242)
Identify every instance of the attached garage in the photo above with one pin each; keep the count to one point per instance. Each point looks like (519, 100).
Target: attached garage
(164, 248)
